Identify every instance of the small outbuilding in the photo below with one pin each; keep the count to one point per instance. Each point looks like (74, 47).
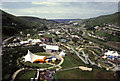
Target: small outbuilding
(62, 54)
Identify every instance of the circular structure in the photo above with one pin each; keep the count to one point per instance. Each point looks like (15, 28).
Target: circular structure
(36, 61)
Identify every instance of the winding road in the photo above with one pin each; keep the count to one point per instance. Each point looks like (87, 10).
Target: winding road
(15, 74)
(7, 39)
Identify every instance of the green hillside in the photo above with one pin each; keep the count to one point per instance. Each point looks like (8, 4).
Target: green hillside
(109, 19)
(38, 20)
(12, 25)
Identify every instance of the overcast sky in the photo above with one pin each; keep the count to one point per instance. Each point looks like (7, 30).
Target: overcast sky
(60, 10)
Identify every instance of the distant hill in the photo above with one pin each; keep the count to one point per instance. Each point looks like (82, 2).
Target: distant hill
(109, 19)
(38, 20)
(65, 20)
(12, 25)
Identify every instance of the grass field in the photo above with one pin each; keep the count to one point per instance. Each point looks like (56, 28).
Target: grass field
(71, 60)
(43, 54)
(25, 75)
(79, 74)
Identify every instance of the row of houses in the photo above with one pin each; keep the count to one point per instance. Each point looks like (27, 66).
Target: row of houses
(24, 43)
(107, 26)
(95, 36)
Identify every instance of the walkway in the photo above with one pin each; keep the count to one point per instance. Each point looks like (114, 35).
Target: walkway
(69, 68)
(15, 74)
(62, 60)
(7, 39)
(78, 55)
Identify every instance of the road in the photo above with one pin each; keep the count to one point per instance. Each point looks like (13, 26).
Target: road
(7, 39)
(76, 51)
(99, 42)
(15, 74)
(69, 68)
(79, 55)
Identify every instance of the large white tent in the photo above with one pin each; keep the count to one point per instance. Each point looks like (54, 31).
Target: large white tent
(32, 57)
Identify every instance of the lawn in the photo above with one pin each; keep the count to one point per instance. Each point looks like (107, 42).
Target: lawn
(25, 75)
(71, 60)
(79, 74)
(48, 35)
(73, 74)
(43, 54)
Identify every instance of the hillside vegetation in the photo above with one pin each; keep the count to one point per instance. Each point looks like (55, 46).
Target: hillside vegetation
(108, 19)
(12, 25)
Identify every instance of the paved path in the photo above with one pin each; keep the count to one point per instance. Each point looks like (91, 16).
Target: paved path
(78, 55)
(100, 42)
(7, 39)
(58, 65)
(15, 74)
(69, 68)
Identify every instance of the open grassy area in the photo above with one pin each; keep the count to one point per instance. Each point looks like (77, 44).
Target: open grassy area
(71, 60)
(37, 65)
(43, 54)
(25, 75)
(48, 35)
(95, 50)
(79, 74)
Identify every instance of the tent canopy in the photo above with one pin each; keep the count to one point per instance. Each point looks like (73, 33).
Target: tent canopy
(32, 58)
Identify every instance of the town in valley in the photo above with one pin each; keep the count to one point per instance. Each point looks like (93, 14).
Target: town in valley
(36, 49)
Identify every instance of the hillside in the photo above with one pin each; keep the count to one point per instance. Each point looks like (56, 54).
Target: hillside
(12, 25)
(109, 19)
(65, 20)
(38, 20)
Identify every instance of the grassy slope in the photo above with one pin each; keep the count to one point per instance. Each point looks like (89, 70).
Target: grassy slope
(37, 20)
(25, 76)
(12, 25)
(78, 74)
(71, 60)
(110, 19)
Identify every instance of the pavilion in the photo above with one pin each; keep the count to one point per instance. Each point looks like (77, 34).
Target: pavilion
(34, 58)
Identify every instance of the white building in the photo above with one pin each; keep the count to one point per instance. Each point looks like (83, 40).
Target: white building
(34, 41)
(50, 48)
(24, 42)
(62, 54)
(112, 53)
(57, 32)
